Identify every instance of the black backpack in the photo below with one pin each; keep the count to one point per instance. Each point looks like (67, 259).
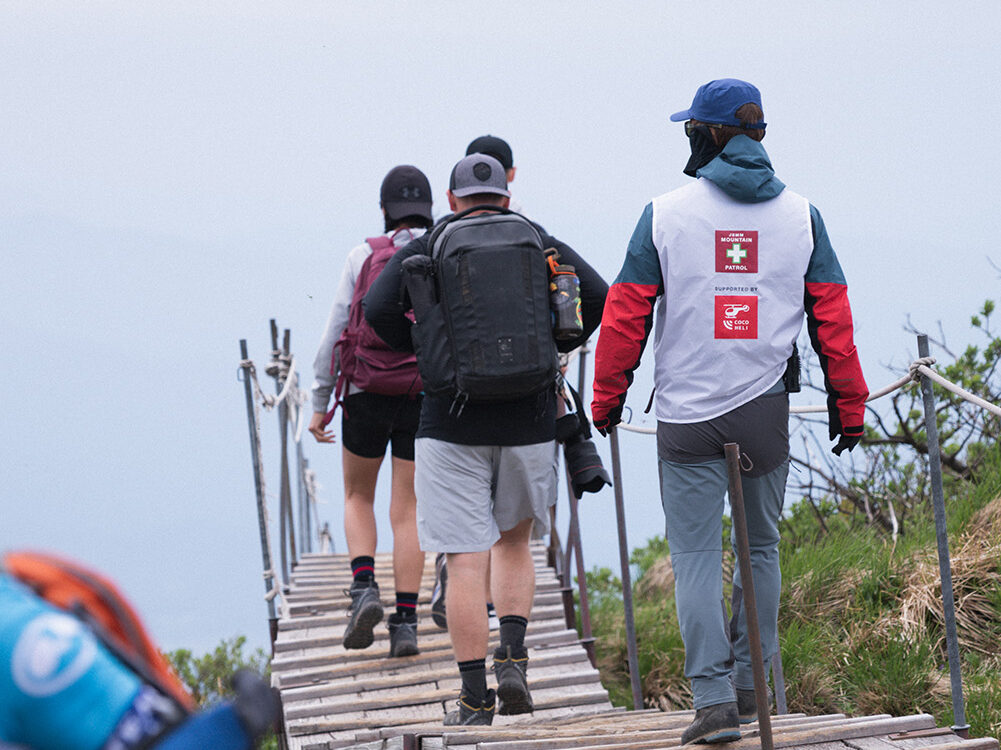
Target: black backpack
(483, 327)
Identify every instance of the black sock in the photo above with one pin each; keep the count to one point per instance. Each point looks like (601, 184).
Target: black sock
(474, 679)
(363, 568)
(406, 605)
(512, 633)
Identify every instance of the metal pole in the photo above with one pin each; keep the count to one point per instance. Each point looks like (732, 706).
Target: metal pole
(574, 548)
(959, 726)
(300, 485)
(732, 453)
(779, 680)
(283, 414)
(627, 586)
(269, 579)
(274, 369)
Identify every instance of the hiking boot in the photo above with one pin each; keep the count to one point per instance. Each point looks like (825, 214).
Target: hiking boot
(713, 724)
(512, 683)
(470, 713)
(747, 706)
(364, 614)
(438, 592)
(402, 636)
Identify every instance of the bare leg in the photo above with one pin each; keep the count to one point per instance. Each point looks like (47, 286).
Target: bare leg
(360, 474)
(513, 572)
(408, 558)
(466, 604)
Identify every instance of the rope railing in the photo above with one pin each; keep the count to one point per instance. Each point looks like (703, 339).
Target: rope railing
(917, 368)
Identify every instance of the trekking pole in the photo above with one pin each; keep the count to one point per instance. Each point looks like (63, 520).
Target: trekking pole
(627, 586)
(732, 453)
(959, 726)
(262, 519)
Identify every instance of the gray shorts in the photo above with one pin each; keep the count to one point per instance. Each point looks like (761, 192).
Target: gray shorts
(468, 494)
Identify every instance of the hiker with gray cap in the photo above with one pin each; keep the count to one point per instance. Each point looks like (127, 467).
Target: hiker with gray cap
(478, 285)
(736, 261)
(498, 148)
(379, 392)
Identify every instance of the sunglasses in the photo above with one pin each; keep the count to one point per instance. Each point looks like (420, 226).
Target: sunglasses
(690, 127)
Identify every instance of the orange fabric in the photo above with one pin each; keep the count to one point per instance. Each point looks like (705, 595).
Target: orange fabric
(72, 588)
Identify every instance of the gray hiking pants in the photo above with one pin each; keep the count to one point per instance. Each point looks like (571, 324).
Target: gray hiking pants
(692, 491)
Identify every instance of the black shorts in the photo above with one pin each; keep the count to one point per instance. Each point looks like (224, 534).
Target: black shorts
(370, 421)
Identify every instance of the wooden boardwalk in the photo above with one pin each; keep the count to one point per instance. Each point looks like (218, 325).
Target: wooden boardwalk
(334, 698)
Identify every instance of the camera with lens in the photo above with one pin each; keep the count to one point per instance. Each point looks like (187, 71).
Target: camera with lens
(580, 453)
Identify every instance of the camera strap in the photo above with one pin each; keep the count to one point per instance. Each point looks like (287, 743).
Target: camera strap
(578, 408)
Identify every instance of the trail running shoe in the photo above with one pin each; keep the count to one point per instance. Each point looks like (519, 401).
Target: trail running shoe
(512, 682)
(469, 713)
(713, 724)
(364, 614)
(438, 592)
(402, 636)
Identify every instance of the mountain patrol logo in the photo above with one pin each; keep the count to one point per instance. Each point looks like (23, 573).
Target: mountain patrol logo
(736, 252)
(736, 317)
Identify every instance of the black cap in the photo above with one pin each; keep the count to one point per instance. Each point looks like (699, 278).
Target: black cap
(406, 192)
(493, 146)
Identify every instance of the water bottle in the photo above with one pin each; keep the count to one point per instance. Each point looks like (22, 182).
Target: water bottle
(564, 299)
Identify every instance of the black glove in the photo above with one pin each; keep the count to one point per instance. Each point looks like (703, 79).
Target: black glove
(611, 419)
(846, 442)
(255, 702)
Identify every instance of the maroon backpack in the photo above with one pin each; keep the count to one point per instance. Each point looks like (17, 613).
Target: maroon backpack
(366, 360)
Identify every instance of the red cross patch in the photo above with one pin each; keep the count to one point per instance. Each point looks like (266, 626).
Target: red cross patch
(736, 252)
(736, 317)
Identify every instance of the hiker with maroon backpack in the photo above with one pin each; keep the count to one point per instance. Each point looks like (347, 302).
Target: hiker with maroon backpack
(379, 393)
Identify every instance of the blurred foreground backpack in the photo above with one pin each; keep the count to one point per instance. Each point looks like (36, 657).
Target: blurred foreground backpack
(96, 601)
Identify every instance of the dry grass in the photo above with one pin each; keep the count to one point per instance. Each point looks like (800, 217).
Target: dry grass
(658, 580)
(975, 578)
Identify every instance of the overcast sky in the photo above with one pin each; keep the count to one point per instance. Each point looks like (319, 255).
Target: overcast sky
(172, 175)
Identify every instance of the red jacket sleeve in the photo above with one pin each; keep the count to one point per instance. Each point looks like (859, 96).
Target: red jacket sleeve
(626, 322)
(829, 322)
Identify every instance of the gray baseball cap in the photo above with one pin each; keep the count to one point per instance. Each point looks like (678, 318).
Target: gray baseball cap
(478, 173)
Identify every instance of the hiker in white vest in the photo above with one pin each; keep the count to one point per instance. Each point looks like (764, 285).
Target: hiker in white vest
(736, 260)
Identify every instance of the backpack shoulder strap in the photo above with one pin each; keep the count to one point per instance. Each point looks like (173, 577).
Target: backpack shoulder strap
(92, 598)
(379, 243)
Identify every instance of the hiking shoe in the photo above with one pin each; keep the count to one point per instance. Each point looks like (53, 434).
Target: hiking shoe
(512, 683)
(402, 636)
(471, 714)
(747, 706)
(438, 592)
(713, 724)
(364, 614)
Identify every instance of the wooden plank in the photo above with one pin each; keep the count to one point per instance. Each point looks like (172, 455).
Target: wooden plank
(569, 653)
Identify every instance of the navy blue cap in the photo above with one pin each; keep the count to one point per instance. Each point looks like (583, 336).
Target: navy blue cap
(717, 102)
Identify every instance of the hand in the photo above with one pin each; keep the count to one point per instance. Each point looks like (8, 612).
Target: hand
(603, 423)
(317, 425)
(846, 442)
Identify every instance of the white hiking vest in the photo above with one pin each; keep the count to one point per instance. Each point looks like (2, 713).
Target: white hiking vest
(733, 297)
